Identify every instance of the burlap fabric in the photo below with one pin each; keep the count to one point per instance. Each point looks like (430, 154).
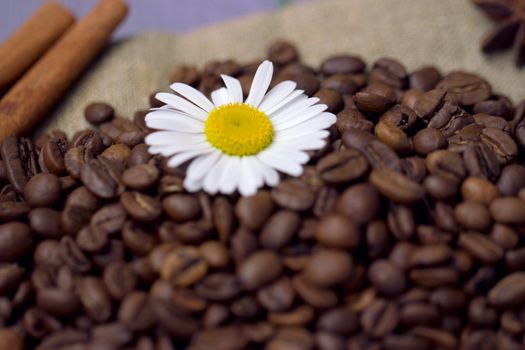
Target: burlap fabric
(444, 33)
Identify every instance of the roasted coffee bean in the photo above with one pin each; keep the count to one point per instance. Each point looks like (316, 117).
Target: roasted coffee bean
(259, 269)
(429, 140)
(328, 267)
(183, 266)
(137, 239)
(215, 254)
(501, 143)
(380, 318)
(279, 229)
(73, 256)
(424, 79)
(135, 312)
(481, 247)
(472, 215)
(396, 186)
(389, 71)
(508, 210)
(331, 97)
(511, 180)
(293, 195)
(53, 153)
(360, 203)
(42, 190)
(109, 219)
(393, 136)
(254, 210)
(343, 166)
(342, 64)
(375, 98)
(181, 207)
(377, 153)
(119, 279)
(185, 74)
(141, 207)
(15, 241)
(140, 177)
(353, 119)
(387, 277)
(10, 211)
(117, 154)
(10, 340)
(509, 291)
(446, 164)
(220, 338)
(282, 52)
(337, 231)
(499, 106)
(58, 302)
(465, 88)
(94, 298)
(440, 188)
(477, 189)
(306, 82)
(401, 222)
(98, 112)
(97, 178)
(343, 84)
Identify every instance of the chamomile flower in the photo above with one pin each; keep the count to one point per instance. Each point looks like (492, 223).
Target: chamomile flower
(235, 144)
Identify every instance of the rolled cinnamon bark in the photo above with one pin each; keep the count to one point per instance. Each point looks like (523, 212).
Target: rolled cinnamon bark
(31, 40)
(32, 97)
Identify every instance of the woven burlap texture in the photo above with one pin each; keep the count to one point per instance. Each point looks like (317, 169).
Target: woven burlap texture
(444, 33)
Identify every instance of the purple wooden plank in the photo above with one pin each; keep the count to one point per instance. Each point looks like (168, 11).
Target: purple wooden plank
(146, 15)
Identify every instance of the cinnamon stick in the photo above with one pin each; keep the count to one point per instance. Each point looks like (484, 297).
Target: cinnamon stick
(32, 97)
(31, 40)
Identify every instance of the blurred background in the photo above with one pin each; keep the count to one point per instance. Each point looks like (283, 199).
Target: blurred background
(148, 15)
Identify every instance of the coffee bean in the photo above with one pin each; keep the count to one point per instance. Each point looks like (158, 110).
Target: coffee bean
(472, 215)
(181, 207)
(140, 207)
(135, 312)
(440, 188)
(279, 229)
(342, 64)
(480, 190)
(375, 98)
(140, 177)
(393, 136)
(183, 266)
(465, 88)
(254, 210)
(359, 202)
(109, 219)
(511, 180)
(429, 140)
(380, 318)
(293, 195)
(58, 302)
(389, 71)
(97, 178)
(10, 340)
(337, 231)
(119, 279)
(508, 210)
(387, 277)
(185, 74)
(446, 164)
(425, 78)
(328, 267)
(73, 255)
(220, 338)
(377, 153)
(396, 186)
(98, 112)
(480, 247)
(94, 298)
(509, 291)
(348, 120)
(53, 153)
(259, 269)
(15, 241)
(501, 143)
(282, 52)
(219, 287)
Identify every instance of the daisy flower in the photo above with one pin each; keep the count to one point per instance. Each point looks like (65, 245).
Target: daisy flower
(234, 144)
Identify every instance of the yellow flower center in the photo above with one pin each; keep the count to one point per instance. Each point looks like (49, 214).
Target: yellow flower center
(238, 129)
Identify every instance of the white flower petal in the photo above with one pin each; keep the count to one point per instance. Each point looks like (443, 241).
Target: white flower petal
(303, 143)
(293, 133)
(280, 162)
(293, 154)
(168, 150)
(307, 114)
(173, 121)
(294, 108)
(182, 104)
(192, 185)
(183, 157)
(212, 179)
(200, 166)
(169, 138)
(257, 170)
(277, 94)
(247, 181)
(230, 175)
(269, 174)
(234, 88)
(220, 97)
(260, 83)
(297, 94)
(193, 95)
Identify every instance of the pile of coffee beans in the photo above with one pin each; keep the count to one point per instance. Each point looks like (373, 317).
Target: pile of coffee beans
(406, 232)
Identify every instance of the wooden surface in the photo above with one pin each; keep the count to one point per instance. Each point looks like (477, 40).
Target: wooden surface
(147, 15)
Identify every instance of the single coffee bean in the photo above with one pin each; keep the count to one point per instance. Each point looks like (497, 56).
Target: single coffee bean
(393, 136)
(98, 179)
(183, 266)
(336, 230)
(389, 71)
(375, 98)
(293, 195)
(277, 296)
(53, 153)
(98, 112)
(119, 279)
(387, 277)
(428, 140)
(508, 210)
(424, 79)
(215, 254)
(431, 255)
(511, 180)
(446, 164)
(94, 298)
(501, 143)
(259, 269)
(42, 190)
(220, 338)
(219, 286)
(135, 312)
(440, 188)
(360, 203)
(481, 247)
(396, 186)
(380, 318)
(109, 219)
(140, 177)
(10, 340)
(58, 302)
(481, 161)
(15, 241)
(509, 291)
(279, 229)
(342, 64)
(92, 239)
(181, 207)
(141, 207)
(472, 215)
(480, 190)
(328, 267)
(377, 153)
(465, 88)
(253, 211)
